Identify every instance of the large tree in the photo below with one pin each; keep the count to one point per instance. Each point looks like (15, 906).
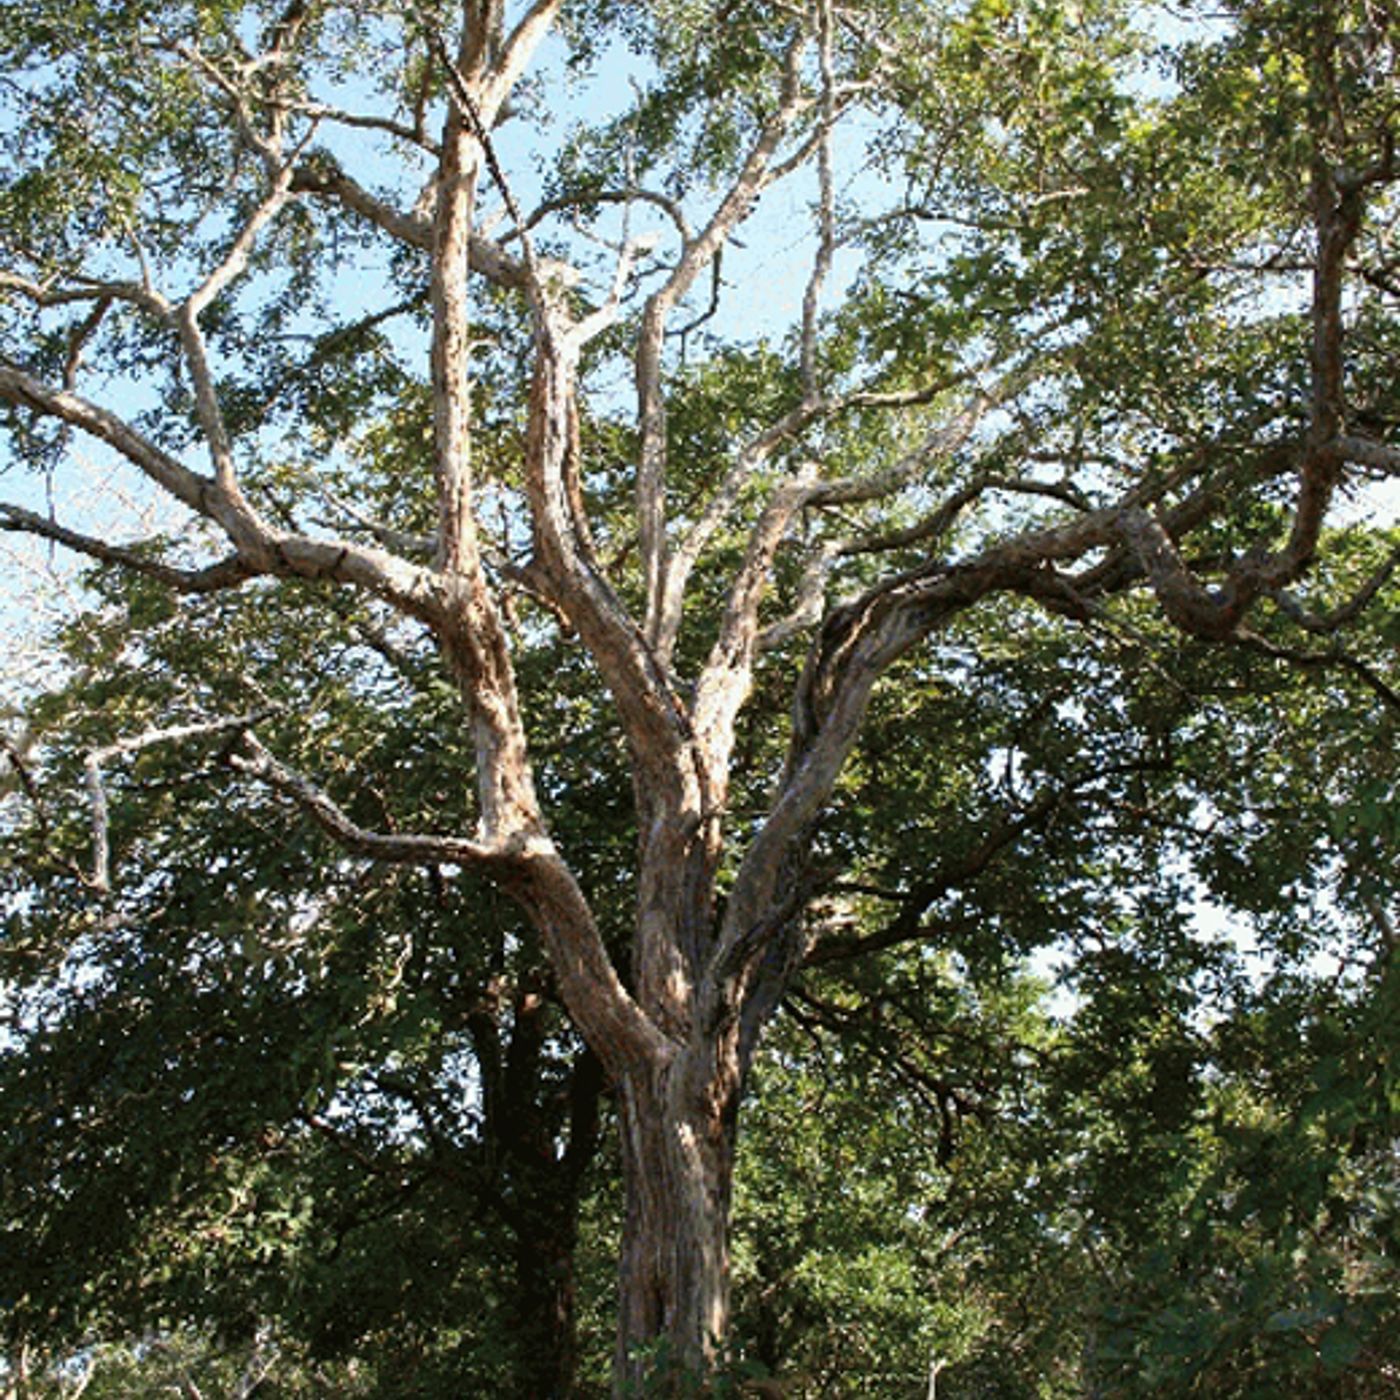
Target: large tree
(1085, 326)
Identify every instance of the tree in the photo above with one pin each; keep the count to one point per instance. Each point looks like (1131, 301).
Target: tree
(1092, 340)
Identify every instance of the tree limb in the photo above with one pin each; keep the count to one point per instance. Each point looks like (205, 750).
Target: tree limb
(254, 760)
(754, 176)
(100, 879)
(226, 573)
(261, 549)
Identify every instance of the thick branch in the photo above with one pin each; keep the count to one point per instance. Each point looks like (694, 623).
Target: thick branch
(1189, 604)
(529, 869)
(260, 548)
(856, 647)
(1366, 452)
(188, 487)
(324, 178)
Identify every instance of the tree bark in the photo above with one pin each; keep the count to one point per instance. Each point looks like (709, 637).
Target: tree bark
(678, 1139)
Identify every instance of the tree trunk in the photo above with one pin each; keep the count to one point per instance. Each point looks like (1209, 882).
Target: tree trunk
(678, 1166)
(545, 1341)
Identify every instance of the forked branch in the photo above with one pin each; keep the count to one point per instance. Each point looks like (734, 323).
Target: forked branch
(100, 878)
(252, 758)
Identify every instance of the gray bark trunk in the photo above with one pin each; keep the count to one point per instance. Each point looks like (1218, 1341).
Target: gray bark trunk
(678, 1163)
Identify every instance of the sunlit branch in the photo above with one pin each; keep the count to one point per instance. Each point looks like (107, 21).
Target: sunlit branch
(810, 601)
(750, 458)
(1366, 452)
(321, 112)
(529, 868)
(477, 122)
(188, 487)
(324, 178)
(100, 878)
(948, 437)
(515, 55)
(756, 173)
(404, 542)
(267, 149)
(226, 573)
(235, 261)
(260, 549)
(937, 523)
(596, 322)
(826, 216)
(253, 759)
(48, 294)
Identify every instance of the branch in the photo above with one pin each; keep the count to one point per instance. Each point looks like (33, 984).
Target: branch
(596, 322)
(15, 751)
(631, 194)
(907, 926)
(260, 549)
(945, 439)
(324, 177)
(861, 641)
(515, 55)
(1195, 609)
(235, 261)
(404, 542)
(321, 112)
(1339, 617)
(45, 294)
(1366, 452)
(186, 319)
(530, 870)
(826, 221)
(754, 176)
(226, 573)
(938, 522)
(397, 849)
(100, 879)
(1335, 657)
(188, 487)
(811, 597)
(723, 685)
(754, 454)
(478, 123)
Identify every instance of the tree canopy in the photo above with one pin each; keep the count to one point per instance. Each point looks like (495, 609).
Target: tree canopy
(709, 554)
